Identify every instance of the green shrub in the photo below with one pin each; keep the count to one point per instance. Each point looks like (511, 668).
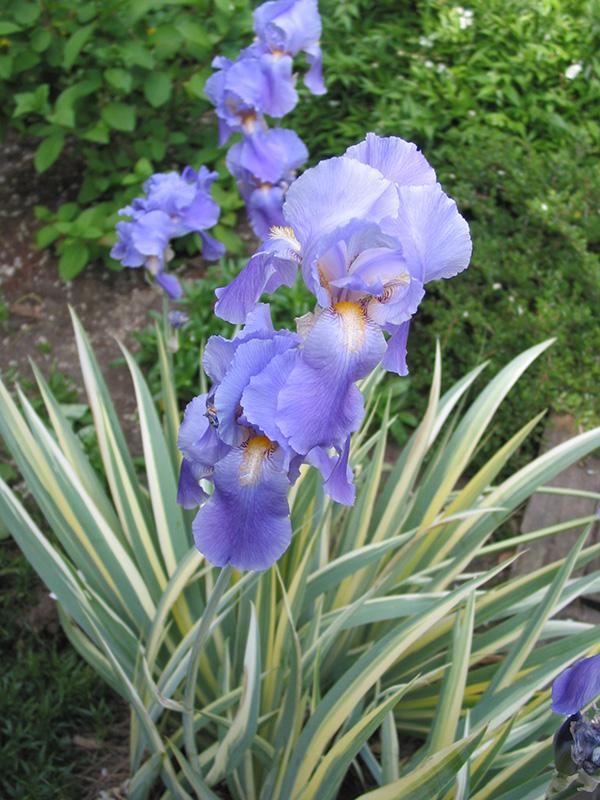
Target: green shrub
(117, 87)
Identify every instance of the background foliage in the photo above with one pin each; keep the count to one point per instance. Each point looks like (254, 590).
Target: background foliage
(118, 85)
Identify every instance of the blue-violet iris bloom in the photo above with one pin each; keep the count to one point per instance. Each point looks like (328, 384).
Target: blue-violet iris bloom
(251, 465)
(246, 89)
(370, 228)
(264, 165)
(173, 206)
(288, 27)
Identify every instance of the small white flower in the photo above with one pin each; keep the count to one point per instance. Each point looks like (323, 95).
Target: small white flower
(520, 311)
(465, 17)
(465, 314)
(425, 41)
(496, 286)
(572, 71)
(471, 112)
(501, 172)
(511, 298)
(544, 206)
(428, 63)
(441, 67)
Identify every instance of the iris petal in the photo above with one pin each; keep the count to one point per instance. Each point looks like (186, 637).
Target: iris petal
(577, 686)
(334, 192)
(246, 521)
(397, 160)
(250, 358)
(435, 237)
(394, 359)
(319, 405)
(237, 299)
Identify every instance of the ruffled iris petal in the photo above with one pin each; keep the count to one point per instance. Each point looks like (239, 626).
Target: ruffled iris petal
(246, 521)
(331, 194)
(397, 160)
(288, 25)
(219, 351)
(435, 237)
(577, 686)
(268, 155)
(279, 94)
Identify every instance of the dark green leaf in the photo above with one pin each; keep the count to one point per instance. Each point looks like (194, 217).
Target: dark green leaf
(157, 88)
(75, 44)
(48, 151)
(119, 79)
(72, 260)
(119, 116)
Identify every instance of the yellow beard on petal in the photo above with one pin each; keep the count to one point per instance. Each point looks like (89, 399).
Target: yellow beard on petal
(354, 324)
(256, 449)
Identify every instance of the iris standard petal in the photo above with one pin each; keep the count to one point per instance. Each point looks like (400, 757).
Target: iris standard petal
(332, 194)
(397, 160)
(577, 686)
(435, 237)
(250, 358)
(246, 521)
(260, 396)
(236, 300)
(288, 25)
(279, 93)
(150, 233)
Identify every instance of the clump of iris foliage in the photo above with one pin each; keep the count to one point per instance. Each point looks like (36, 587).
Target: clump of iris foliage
(380, 622)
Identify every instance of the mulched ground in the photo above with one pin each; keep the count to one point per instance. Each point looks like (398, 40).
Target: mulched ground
(111, 305)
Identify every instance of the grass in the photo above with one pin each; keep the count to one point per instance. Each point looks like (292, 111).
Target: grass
(57, 719)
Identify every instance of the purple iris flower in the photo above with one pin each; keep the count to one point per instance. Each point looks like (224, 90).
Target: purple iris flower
(264, 165)
(245, 521)
(290, 27)
(367, 229)
(174, 205)
(144, 243)
(577, 686)
(243, 91)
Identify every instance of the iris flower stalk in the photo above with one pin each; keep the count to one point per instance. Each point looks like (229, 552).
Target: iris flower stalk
(260, 83)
